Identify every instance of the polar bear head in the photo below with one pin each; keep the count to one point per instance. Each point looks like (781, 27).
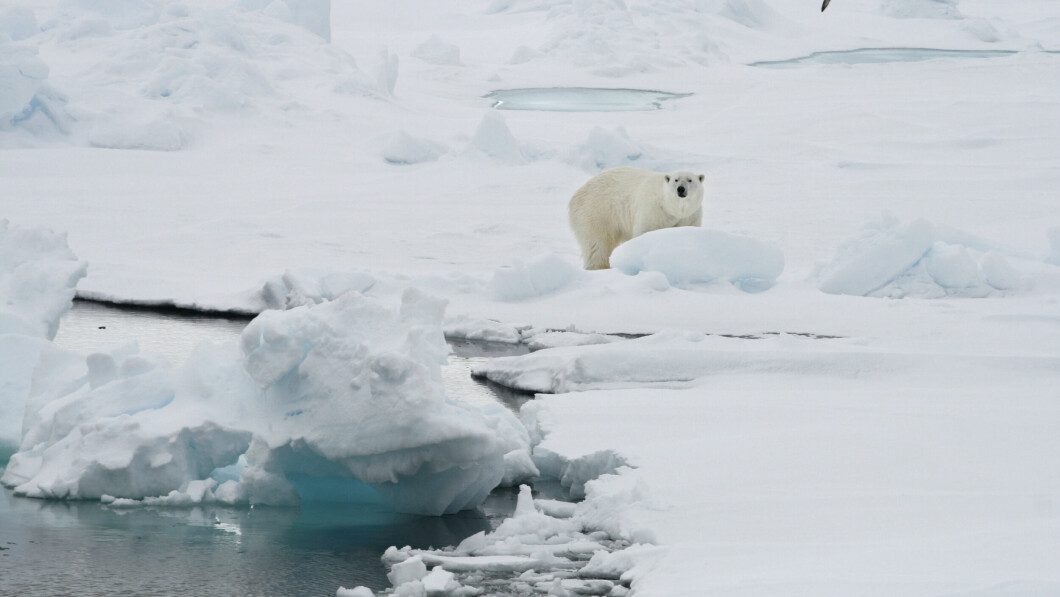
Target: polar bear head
(682, 194)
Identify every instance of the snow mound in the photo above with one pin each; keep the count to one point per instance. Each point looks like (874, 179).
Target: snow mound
(311, 15)
(1054, 246)
(26, 101)
(618, 39)
(403, 149)
(529, 279)
(296, 288)
(436, 51)
(604, 149)
(921, 9)
(895, 260)
(691, 255)
(158, 135)
(18, 23)
(494, 139)
(151, 72)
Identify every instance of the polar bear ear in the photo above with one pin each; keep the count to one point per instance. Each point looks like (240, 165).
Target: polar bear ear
(667, 178)
(700, 178)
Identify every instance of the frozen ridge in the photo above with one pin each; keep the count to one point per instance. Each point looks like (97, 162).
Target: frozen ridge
(147, 75)
(542, 549)
(338, 401)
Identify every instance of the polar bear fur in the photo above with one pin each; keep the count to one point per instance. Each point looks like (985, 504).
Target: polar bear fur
(619, 204)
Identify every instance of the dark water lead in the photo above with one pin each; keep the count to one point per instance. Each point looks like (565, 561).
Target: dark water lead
(880, 56)
(84, 548)
(581, 99)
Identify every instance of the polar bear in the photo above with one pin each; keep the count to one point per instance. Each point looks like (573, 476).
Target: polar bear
(619, 204)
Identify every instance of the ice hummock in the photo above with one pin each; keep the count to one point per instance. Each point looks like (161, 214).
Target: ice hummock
(38, 275)
(893, 259)
(352, 393)
(690, 255)
(337, 401)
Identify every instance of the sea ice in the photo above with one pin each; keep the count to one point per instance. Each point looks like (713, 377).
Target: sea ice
(603, 149)
(312, 15)
(403, 149)
(18, 23)
(529, 279)
(436, 51)
(23, 77)
(895, 260)
(494, 139)
(38, 275)
(296, 288)
(921, 9)
(532, 548)
(337, 401)
(482, 330)
(1054, 246)
(691, 255)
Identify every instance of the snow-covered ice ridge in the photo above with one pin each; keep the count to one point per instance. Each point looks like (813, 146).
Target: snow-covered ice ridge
(337, 401)
(38, 275)
(147, 74)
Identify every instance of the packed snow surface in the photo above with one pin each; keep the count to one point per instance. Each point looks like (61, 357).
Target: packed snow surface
(843, 471)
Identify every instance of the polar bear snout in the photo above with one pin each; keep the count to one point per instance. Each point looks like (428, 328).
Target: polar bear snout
(681, 192)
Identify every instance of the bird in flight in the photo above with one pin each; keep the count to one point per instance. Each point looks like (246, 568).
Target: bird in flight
(825, 5)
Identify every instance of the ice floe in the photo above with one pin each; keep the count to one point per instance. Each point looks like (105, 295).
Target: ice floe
(337, 401)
